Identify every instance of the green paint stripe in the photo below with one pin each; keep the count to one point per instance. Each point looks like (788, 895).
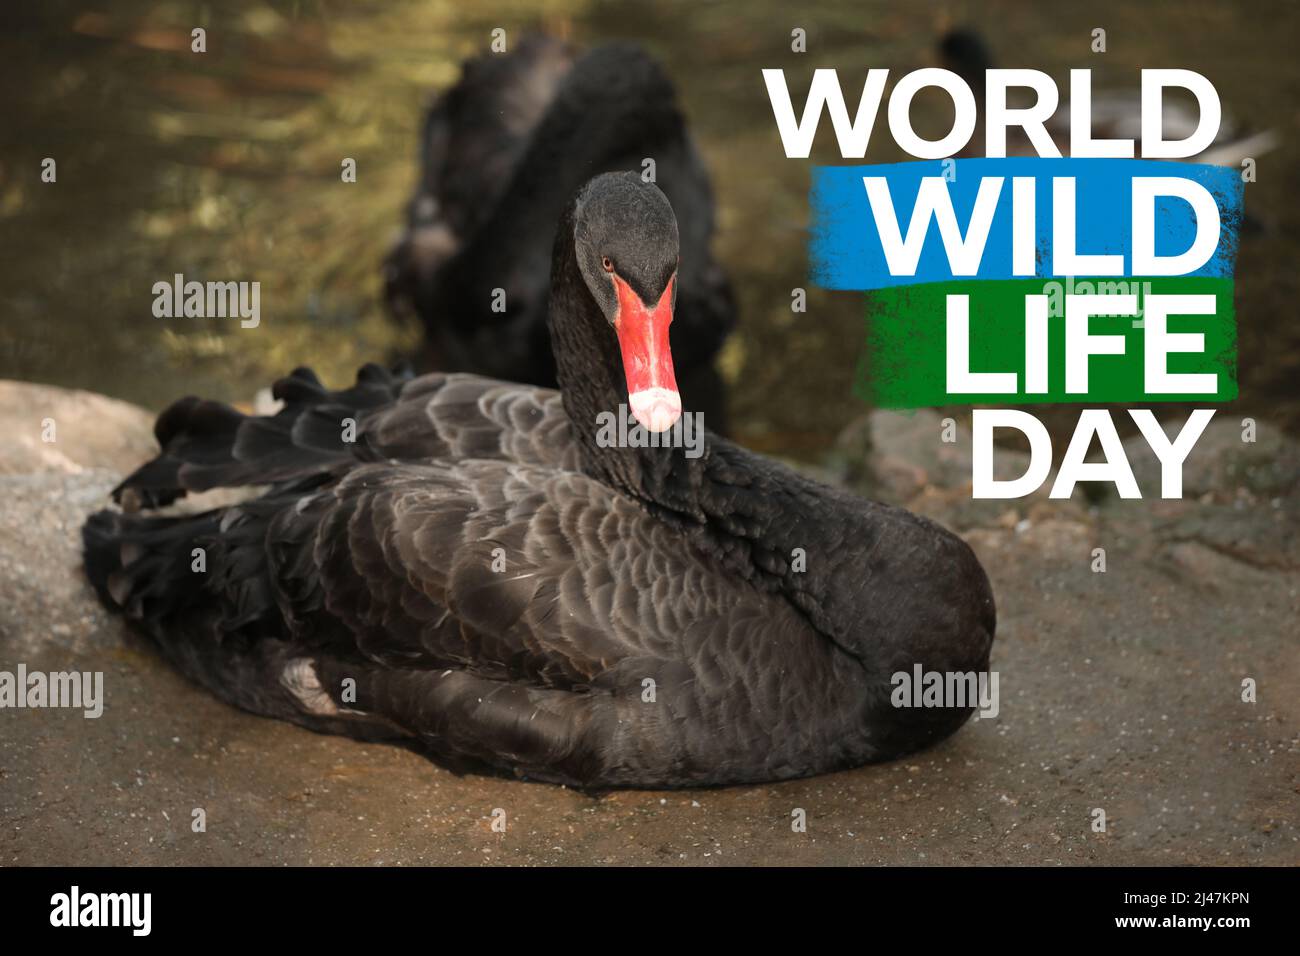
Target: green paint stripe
(904, 362)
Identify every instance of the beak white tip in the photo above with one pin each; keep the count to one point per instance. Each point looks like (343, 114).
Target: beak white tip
(657, 409)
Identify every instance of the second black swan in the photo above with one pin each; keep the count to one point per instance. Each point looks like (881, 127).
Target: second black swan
(502, 152)
(479, 575)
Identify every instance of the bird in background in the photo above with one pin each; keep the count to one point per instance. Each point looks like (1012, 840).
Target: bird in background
(502, 152)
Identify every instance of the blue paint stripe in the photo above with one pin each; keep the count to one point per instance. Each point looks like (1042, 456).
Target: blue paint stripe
(845, 250)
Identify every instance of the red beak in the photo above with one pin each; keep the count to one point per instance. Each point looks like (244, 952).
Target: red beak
(647, 358)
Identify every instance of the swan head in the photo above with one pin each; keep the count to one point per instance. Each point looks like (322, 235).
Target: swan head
(625, 239)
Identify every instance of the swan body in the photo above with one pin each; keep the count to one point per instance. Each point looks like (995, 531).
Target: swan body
(479, 577)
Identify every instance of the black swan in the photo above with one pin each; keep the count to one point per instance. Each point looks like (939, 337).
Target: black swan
(478, 573)
(502, 153)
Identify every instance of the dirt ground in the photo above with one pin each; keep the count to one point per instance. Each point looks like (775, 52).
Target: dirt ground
(1120, 691)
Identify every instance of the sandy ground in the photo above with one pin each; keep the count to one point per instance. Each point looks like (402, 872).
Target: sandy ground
(1120, 691)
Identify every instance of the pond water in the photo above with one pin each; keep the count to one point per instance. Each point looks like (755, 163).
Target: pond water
(225, 165)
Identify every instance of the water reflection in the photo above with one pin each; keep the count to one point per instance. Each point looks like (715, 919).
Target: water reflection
(226, 165)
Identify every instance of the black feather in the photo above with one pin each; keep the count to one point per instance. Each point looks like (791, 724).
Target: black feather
(505, 592)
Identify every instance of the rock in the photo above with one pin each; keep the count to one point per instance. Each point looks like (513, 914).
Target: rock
(46, 491)
(44, 596)
(900, 453)
(89, 430)
(1222, 464)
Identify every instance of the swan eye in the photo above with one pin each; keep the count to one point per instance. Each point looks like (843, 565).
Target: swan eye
(606, 264)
